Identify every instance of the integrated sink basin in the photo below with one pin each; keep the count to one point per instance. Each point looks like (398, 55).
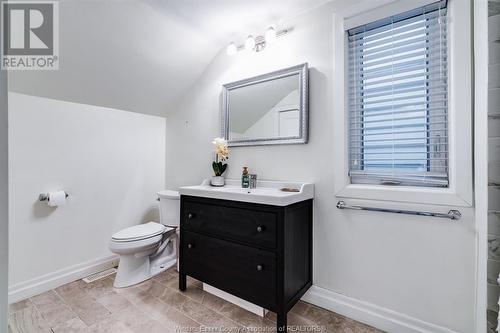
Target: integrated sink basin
(267, 192)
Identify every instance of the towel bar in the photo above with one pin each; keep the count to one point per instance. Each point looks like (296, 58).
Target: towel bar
(452, 214)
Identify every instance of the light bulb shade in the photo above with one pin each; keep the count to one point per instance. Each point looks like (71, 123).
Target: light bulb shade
(250, 43)
(231, 49)
(270, 35)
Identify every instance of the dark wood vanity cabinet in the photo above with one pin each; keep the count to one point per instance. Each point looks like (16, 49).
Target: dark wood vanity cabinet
(260, 253)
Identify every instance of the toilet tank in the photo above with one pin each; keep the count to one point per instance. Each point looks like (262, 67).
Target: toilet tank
(169, 208)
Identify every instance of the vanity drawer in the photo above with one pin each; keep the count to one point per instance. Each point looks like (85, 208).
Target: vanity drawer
(243, 271)
(252, 227)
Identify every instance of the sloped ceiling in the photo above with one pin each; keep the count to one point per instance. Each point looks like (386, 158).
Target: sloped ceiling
(143, 56)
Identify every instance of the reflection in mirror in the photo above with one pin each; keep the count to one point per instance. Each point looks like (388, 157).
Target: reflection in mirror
(265, 110)
(269, 109)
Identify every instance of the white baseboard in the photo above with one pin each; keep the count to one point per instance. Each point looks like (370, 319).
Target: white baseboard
(46, 282)
(370, 314)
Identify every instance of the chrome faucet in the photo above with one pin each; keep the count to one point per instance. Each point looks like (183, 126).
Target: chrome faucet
(253, 180)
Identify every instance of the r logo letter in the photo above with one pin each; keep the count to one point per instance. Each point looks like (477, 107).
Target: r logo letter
(29, 31)
(28, 28)
(36, 22)
(16, 34)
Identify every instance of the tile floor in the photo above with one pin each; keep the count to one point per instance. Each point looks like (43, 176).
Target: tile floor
(157, 306)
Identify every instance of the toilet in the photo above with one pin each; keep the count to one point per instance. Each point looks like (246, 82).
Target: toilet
(148, 249)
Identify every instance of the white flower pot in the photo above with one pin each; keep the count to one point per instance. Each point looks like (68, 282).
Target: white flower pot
(217, 181)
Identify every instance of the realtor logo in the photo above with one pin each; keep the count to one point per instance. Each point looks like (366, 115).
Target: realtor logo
(30, 35)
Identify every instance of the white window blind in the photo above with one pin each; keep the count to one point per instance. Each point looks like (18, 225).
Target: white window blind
(398, 99)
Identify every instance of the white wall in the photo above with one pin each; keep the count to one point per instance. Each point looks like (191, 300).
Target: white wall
(111, 162)
(3, 202)
(419, 267)
(481, 122)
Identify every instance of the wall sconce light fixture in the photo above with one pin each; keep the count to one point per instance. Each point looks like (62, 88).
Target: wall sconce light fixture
(258, 43)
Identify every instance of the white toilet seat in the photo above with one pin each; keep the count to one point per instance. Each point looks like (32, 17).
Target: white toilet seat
(136, 246)
(139, 232)
(138, 239)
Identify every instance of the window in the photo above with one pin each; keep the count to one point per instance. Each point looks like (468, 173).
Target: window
(398, 99)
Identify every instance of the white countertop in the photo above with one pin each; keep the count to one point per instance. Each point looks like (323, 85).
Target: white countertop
(267, 192)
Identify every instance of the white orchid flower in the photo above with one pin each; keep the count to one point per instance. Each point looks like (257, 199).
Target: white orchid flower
(221, 148)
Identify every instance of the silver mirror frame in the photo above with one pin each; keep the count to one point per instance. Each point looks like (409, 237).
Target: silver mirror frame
(302, 71)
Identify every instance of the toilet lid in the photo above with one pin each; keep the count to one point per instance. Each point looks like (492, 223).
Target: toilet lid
(168, 194)
(140, 231)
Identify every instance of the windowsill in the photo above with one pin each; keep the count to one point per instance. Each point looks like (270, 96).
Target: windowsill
(416, 195)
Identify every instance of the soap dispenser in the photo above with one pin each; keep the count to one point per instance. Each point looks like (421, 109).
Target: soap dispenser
(245, 179)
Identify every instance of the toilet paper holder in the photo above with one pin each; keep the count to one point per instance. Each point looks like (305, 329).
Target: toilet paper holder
(45, 196)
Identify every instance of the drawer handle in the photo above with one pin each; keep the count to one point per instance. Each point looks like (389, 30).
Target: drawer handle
(190, 246)
(191, 216)
(260, 228)
(260, 267)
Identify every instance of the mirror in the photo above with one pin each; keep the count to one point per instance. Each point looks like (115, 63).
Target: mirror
(267, 109)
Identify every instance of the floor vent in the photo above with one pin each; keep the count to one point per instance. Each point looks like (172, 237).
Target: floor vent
(99, 275)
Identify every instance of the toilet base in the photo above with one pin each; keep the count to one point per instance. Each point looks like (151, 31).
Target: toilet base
(133, 270)
(155, 270)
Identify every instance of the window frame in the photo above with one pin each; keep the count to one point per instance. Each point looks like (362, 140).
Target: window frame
(366, 169)
(459, 192)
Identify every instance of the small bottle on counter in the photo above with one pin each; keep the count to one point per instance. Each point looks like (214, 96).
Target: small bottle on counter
(245, 179)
